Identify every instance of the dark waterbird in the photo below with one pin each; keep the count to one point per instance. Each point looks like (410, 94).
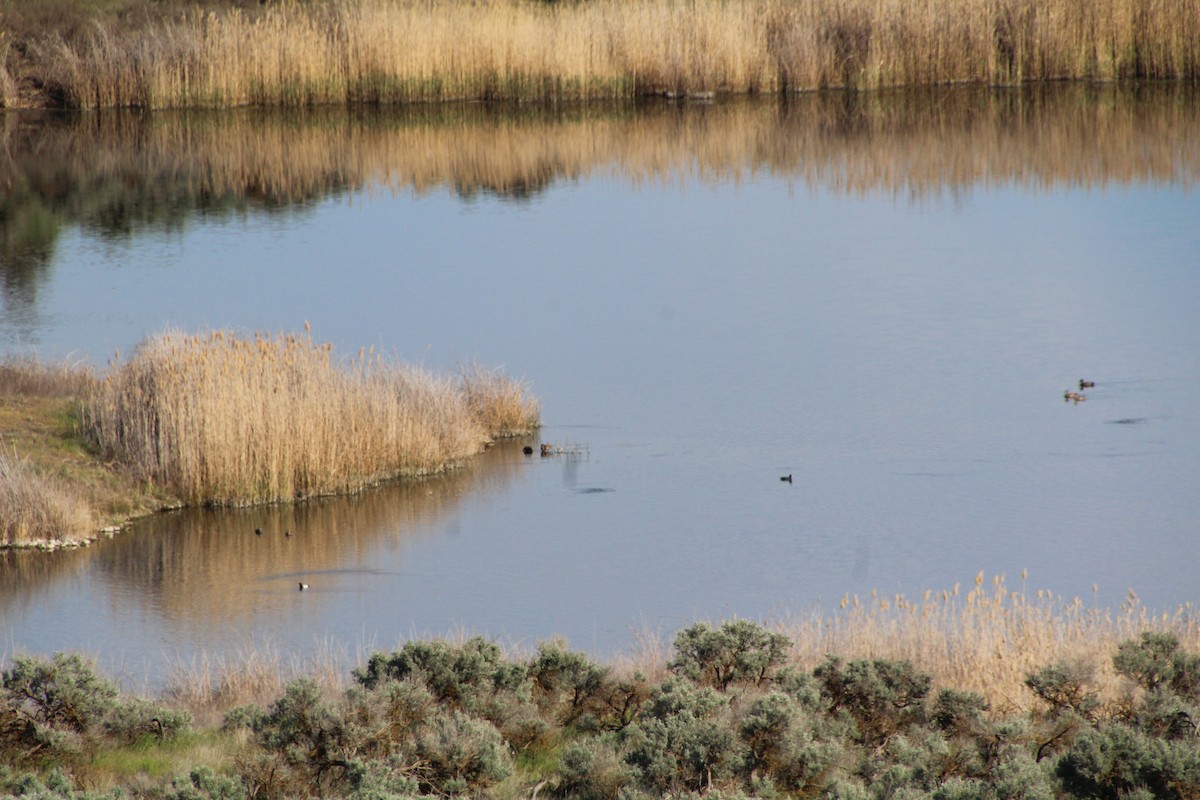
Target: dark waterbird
(786, 478)
(303, 586)
(258, 531)
(1086, 384)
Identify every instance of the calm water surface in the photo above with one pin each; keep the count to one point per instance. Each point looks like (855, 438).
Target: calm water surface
(884, 299)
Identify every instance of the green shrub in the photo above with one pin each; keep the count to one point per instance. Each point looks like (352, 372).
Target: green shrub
(203, 783)
(388, 779)
(462, 754)
(592, 769)
(764, 727)
(682, 743)
(49, 708)
(958, 712)
(800, 686)
(134, 719)
(882, 697)
(1156, 662)
(566, 682)
(56, 786)
(737, 652)
(62, 693)
(1118, 760)
(461, 677)
(310, 744)
(388, 716)
(1066, 687)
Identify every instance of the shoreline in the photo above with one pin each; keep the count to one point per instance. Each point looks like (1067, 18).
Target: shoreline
(221, 419)
(234, 53)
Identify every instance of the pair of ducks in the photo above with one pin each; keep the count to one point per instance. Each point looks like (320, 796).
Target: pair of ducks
(1078, 397)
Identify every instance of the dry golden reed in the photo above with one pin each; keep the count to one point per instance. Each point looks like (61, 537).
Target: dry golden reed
(35, 509)
(369, 51)
(989, 638)
(220, 418)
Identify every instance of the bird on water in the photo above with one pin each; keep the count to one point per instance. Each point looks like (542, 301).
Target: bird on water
(786, 478)
(303, 586)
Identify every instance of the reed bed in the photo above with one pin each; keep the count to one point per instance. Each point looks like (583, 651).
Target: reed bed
(35, 509)
(30, 376)
(989, 638)
(224, 419)
(385, 51)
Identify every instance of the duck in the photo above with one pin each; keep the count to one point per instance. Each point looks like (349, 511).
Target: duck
(287, 533)
(527, 450)
(258, 531)
(787, 478)
(1086, 384)
(547, 449)
(303, 586)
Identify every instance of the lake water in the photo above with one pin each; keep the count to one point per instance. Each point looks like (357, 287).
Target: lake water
(884, 297)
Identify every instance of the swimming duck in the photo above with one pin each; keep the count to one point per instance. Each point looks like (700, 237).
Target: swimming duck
(258, 531)
(1086, 384)
(786, 478)
(547, 449)
(303, 586)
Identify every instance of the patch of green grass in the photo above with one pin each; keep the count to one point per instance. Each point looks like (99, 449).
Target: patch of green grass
(160, 761)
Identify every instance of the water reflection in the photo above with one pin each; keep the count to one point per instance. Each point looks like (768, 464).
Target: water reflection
(117, 173)
(204, 573)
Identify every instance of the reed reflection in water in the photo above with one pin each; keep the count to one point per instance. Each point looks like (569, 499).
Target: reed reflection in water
(117, 174)
(208, 575)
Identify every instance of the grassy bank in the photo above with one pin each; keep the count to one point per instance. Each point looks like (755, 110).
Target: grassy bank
(1103, 705)
(223, 419)
(54, 489)
(369, 51)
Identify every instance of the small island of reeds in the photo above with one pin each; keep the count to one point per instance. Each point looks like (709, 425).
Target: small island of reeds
(219, 418)
(223, 53)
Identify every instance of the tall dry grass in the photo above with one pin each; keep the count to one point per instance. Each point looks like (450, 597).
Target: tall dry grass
(225, 419)
(30, 376)
(382, 51)
(988, 638)
(35, 509)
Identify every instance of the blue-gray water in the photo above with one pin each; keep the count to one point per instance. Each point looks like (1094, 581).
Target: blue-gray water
(696, 326)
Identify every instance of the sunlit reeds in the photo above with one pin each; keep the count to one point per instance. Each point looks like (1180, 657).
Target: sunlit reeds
(989, 638)
(382, 51)
(36, 509)
(225, 419)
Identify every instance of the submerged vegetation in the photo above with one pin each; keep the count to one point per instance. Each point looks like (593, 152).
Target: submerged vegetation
(220, 54)
(734, 710)
(223, 419)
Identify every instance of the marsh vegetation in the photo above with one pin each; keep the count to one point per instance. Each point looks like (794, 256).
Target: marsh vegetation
(1092, 706)
(225, 419)
(386, 51)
